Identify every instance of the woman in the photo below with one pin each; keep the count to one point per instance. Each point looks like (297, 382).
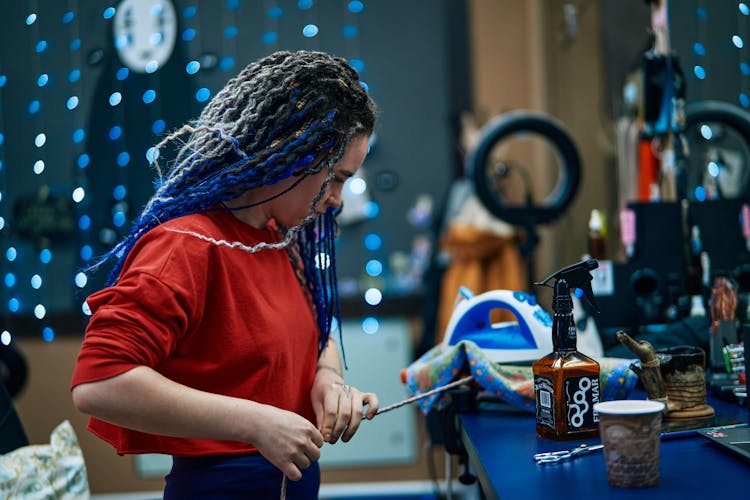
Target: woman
(211, 342)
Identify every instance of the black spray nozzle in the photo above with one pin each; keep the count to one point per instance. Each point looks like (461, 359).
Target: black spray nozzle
(561, 301)
(575, 276)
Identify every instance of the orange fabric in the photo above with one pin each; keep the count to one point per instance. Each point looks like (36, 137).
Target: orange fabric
(481, 261)
(648, 168)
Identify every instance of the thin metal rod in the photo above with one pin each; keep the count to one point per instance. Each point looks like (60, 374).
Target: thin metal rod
(425, 394)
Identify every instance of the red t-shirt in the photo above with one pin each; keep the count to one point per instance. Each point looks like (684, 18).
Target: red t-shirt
(212, 317)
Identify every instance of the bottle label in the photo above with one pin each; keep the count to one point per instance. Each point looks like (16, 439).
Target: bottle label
(545, 401)
(581, 393)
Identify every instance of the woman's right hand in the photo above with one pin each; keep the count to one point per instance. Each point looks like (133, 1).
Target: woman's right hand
(287, 440)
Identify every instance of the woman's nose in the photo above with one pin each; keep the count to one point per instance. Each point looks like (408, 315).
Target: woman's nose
(334, 200)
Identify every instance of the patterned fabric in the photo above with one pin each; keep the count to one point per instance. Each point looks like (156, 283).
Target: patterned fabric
(48, 471)
(511, 383)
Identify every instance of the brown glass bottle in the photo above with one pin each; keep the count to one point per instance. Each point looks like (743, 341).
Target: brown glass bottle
(566, 382)
(597, 246)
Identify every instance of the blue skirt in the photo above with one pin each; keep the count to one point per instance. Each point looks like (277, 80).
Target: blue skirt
(235, 477)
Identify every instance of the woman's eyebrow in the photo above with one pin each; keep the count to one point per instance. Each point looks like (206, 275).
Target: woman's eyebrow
(345, 173)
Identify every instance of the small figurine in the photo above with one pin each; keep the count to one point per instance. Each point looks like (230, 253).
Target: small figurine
(675, 376)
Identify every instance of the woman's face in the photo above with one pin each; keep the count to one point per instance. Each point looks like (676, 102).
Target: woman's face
(290, 209)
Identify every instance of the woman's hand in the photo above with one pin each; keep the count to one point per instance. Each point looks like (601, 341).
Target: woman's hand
(288, 441)
(339, 408)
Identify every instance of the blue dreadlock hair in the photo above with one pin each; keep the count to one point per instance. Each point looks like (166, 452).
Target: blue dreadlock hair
(272, 121)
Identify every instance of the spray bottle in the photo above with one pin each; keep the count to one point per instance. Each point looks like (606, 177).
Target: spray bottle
(566, 382)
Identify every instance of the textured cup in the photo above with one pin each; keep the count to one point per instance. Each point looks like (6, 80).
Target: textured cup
(630, 431)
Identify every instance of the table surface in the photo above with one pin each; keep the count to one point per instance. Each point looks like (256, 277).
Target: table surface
(500, 445)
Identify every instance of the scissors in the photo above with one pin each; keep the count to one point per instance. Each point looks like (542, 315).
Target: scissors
(552, 457)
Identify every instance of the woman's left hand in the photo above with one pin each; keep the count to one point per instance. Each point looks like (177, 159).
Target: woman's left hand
(339, 407)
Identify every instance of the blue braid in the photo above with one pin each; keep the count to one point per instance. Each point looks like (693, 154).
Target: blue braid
(317, 240)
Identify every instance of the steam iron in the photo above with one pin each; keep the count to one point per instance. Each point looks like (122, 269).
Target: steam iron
(520, 342)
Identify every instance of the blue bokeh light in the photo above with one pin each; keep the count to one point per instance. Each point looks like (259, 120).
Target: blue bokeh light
(78, 135)
(373, 242)
(370, 325)
(84, 222)
(357, 64)
(371, 209)
(230, 32)
(374, 267)
(115, 132)
(83, 160)
(86, 252)
(118, 219)
(269, 37)
(119, 192)
(275, 12)
(192, 67)
(373, 296)
(226, 63)
(48, 334)
(202, 94)
(45, 256)
(123, 158)
(158, 126)
(310, 31)
(152, 154)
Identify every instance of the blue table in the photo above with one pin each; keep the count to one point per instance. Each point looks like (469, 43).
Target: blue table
(500, 445)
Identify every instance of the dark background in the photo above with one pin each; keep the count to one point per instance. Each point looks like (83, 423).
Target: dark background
(415, 65)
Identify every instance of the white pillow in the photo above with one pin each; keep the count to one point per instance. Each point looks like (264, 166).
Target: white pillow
(48, 471)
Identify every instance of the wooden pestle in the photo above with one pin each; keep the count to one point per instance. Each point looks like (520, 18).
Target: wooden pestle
(649, 372)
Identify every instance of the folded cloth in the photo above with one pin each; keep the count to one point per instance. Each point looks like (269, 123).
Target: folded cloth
(513, 384)
(43, 471)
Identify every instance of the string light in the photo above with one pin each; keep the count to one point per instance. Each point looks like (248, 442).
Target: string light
(61, 155)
